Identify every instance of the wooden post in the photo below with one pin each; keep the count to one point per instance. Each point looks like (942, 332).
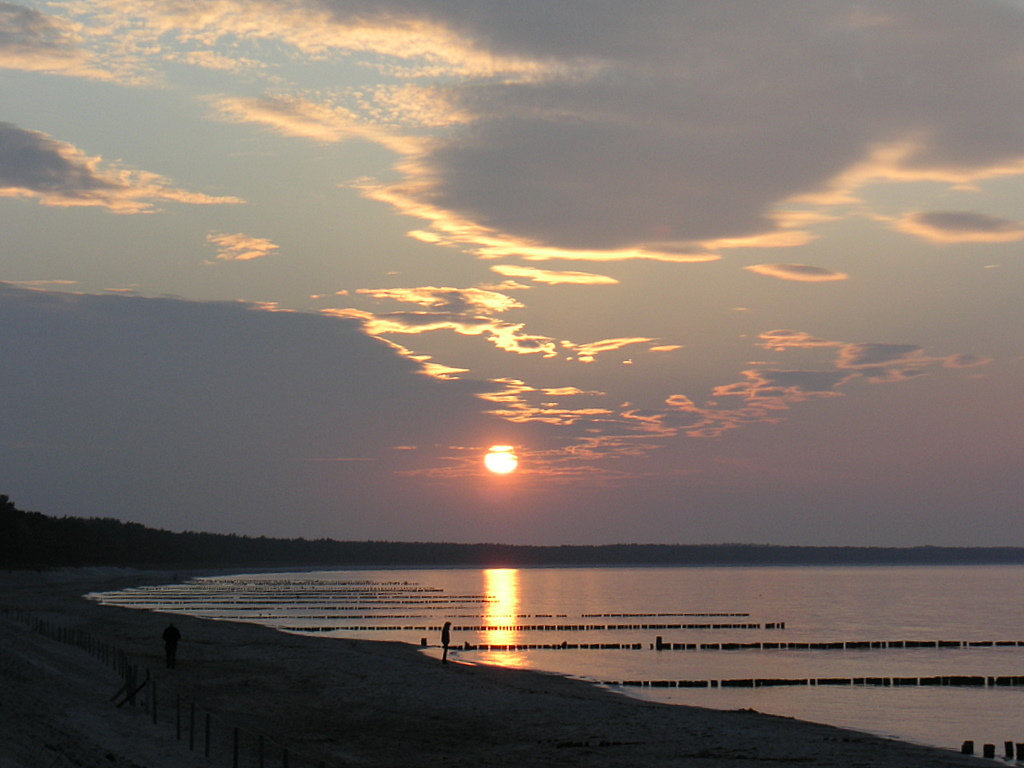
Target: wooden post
(192, 727)
(130, 683)
(988, 750)
(1020, 751)
(967, 748)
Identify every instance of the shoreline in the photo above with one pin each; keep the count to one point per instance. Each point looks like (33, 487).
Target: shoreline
(366, 702)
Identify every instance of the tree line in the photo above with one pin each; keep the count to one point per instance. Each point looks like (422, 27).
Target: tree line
(35, 540)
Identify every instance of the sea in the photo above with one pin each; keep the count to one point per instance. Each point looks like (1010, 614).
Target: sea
(925, 654)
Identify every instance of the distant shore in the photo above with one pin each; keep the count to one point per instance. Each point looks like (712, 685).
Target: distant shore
(34, 540)
(358, 703)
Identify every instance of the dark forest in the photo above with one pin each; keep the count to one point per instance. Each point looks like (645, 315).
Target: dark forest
(31, 540)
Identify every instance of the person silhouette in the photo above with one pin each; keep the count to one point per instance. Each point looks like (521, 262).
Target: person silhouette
(171, 637)
(446, 638)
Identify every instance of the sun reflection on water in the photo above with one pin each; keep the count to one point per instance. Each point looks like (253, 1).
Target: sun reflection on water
(501, 616)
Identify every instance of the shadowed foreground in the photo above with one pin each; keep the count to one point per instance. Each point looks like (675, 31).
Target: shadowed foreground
(359, 703)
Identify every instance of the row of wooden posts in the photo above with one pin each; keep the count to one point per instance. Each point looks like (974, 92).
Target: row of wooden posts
(530, 627)
(140, 689)
(660, 645)
(1011, 750)
(977, 681)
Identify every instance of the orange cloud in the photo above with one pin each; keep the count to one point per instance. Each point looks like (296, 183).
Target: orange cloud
(552, 277)
(239, 246)
(55, 173)
(36, 42)
(298, 117)
(516, 401)
(505, 336)
(586, 353)
(778, 340)
(429, 48)
(798, 272)
(902, 161)
(451, 299)
(960, 227)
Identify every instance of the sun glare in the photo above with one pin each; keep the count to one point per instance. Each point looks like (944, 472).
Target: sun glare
(501, 459)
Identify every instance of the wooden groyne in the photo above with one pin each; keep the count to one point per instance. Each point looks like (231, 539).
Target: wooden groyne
(535, 627)
(660, 645)
(969, 681)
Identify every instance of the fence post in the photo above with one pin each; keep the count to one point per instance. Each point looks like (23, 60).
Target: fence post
(152, 697)
(206, 747)
(177, 717)
(130, 675)
(234, 748)
(192, 727)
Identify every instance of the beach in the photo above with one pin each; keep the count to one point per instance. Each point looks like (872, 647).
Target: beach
(351, 702)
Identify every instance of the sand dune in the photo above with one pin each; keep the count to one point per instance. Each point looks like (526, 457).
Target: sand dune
(350, 703)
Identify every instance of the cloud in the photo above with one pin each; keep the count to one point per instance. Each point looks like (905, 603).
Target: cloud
(587, 353)
(960, 227)
(616, 157)
(781, 339)
(215, 61)
(448, 299)
(303, 118)
(465, 311)
(763, 394)
(798, 272)
(239, 246)
(587, 143)
(552, 277)
(55, 173)
(503, 335)
(408, 39)
(966, 361)
(870, 355)
(32, 41)
(41, 283)
(521, 403)
(657, 131)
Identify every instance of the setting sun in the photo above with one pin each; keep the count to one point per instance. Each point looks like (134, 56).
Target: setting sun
(501, 459)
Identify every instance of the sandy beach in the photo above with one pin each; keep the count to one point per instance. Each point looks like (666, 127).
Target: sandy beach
(350, 703)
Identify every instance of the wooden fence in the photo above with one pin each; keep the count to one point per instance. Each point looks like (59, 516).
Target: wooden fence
(158, 704)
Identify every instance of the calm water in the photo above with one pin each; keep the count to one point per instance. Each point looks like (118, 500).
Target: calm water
(964, 608)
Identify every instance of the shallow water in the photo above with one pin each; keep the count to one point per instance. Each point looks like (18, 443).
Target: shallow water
(769, 608)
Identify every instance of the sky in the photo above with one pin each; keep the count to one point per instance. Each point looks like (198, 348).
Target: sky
(710, 272)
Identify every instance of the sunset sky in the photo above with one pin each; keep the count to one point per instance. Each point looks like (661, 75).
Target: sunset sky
(728, 271)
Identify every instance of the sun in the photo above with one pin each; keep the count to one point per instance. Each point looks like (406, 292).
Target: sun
(501, 459)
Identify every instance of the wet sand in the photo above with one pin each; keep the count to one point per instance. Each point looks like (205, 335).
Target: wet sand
(356, 703)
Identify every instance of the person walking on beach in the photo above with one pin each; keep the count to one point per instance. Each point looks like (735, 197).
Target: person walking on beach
(171, 637)
(446, 638)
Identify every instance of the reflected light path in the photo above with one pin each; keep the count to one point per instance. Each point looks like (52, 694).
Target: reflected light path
(501, 615)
